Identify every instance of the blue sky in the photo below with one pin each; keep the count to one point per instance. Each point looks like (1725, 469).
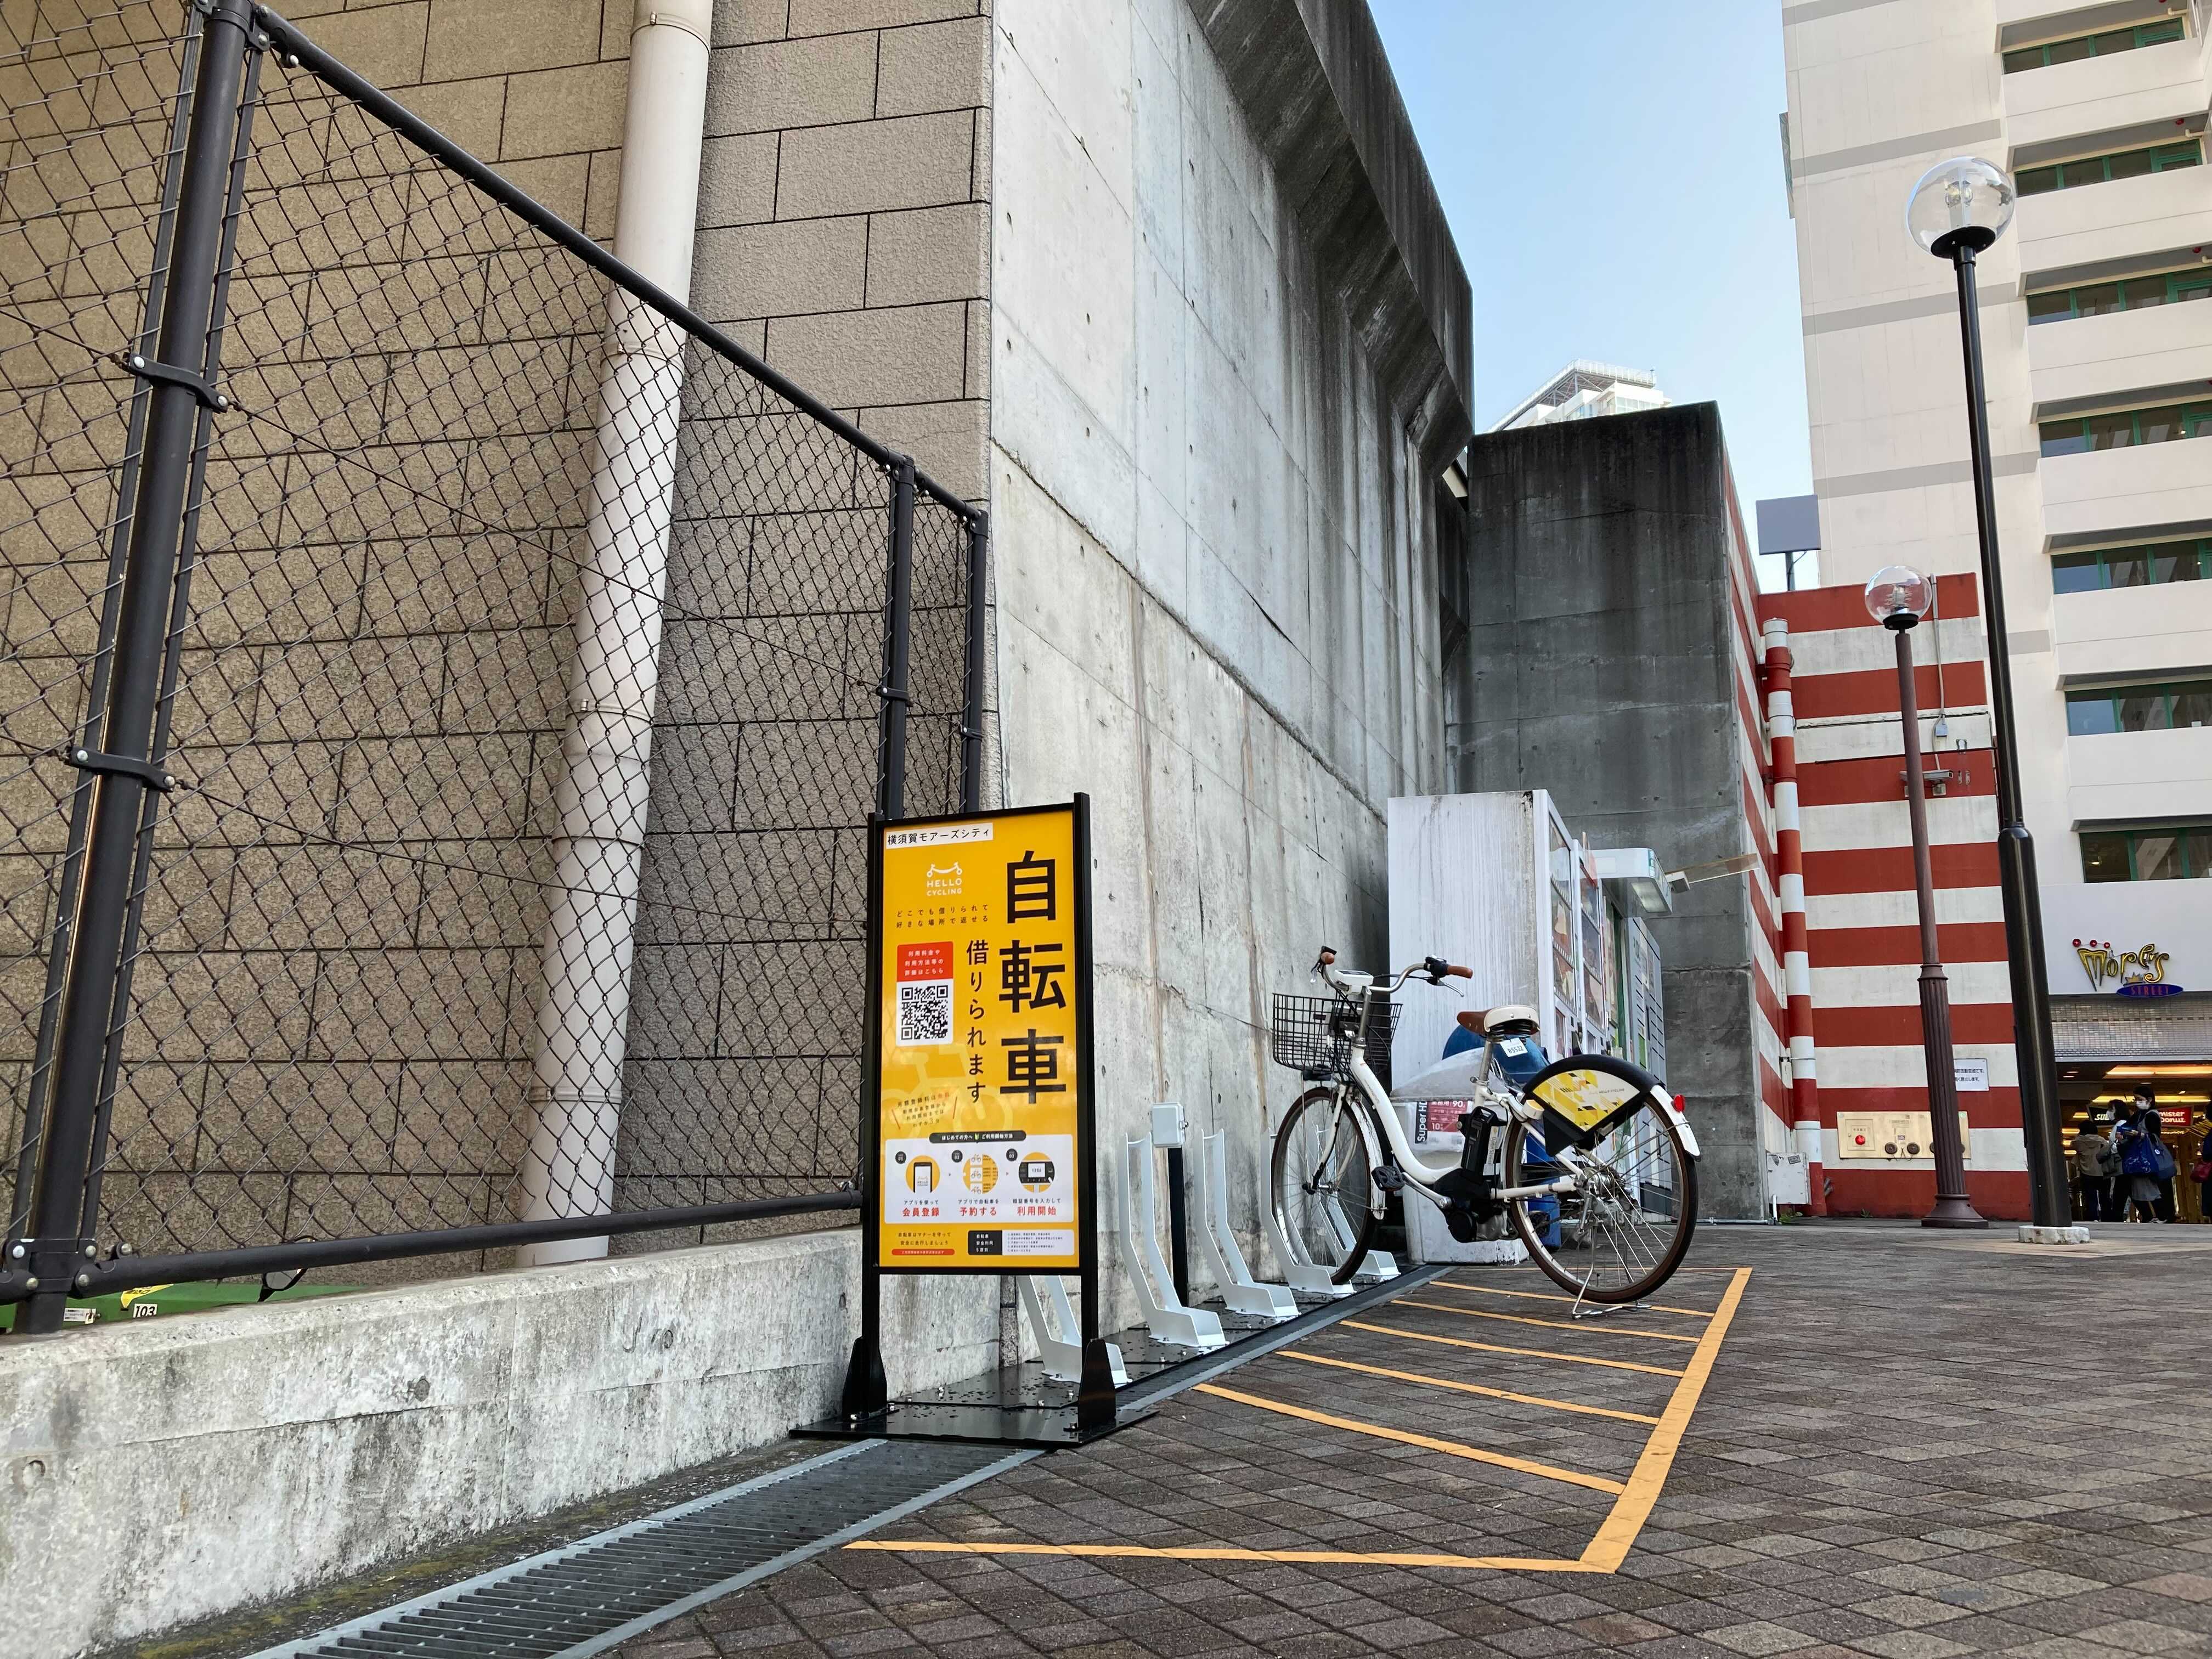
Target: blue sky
(1613, 173)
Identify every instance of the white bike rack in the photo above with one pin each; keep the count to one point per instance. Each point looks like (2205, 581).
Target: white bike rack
(1301, 1276)
(1377, 1266)
(1060, 1341)
(1240, 1291)
(1165, 1314)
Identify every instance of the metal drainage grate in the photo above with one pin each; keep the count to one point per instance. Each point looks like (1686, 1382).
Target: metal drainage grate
(589, 1596)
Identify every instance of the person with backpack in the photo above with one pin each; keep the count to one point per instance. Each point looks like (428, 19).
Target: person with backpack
(2146, 1166)
(2090, 1150)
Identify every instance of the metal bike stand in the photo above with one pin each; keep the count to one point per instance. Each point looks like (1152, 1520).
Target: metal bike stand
(1240, 1291)
(1059, 1345)
(1164, 1312)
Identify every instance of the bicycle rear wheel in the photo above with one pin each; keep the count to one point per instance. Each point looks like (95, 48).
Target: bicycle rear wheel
(1623, 1234)
(1322, 1183)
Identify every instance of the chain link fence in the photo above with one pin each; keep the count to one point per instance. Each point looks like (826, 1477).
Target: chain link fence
(525, 661)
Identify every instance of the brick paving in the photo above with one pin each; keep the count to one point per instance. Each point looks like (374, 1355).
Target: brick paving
(1911, 1446)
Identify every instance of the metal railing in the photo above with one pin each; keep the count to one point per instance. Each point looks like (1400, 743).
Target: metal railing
(447, 684)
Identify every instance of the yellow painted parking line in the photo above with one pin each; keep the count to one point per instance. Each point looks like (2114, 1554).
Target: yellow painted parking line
(1223, 1552)
(1635, 1498)
(1493, 1347)
(1578, 1329)
(1611, 1546)
(1545, 1296)
(1538, 1352)
(1467, 1388)
(1452, 1448)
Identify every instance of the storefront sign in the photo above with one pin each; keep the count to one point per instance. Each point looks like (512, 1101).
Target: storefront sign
(2140, 972)
(981, 1020)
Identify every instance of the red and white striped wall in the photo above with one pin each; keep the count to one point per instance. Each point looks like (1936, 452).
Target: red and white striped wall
(1851, 959)
(1790, 882)
(1756, 767)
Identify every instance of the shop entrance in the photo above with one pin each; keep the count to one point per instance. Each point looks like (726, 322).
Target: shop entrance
(2092, 1097)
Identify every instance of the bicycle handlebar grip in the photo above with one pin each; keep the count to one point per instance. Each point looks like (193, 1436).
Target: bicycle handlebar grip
(1327, 958)
(1455, 971)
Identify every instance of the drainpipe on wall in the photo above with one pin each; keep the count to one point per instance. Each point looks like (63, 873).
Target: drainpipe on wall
(576, 1095)
(1796, 959)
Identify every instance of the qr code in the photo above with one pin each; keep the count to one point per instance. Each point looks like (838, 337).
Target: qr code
(925, 1011)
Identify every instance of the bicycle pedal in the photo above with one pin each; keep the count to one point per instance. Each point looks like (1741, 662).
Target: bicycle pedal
(1390, 1178)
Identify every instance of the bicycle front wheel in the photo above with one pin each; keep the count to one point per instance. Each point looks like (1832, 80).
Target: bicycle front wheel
(1322, 1184)
(1620, 1236)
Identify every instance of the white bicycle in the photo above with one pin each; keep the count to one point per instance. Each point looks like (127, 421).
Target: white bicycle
(1594, 1166)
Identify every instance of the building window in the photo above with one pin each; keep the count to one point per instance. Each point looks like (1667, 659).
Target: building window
(2167, 853)
(2145, 564)
(2102, 169)
(2103, 44)
(2165, 288)
(2123, 429)
(2139, 708)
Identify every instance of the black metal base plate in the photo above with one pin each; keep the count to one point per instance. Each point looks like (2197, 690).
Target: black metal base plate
(978, 1421)
(1020, 1406)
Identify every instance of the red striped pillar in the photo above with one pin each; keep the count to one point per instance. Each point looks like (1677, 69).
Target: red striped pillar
(1796, 961)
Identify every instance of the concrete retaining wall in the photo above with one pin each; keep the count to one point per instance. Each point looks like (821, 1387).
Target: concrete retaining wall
(1228, 360)
(159, 1473)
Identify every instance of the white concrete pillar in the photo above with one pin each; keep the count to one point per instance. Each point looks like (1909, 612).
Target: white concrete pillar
(576, 1095)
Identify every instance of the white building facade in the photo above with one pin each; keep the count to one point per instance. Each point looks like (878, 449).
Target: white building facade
(2098, 368)
(1583, 390)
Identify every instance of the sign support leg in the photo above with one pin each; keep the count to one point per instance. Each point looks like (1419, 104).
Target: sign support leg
(1093, 1397)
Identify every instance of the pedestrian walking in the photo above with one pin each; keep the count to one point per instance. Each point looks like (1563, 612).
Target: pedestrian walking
(2144, 1157)
(2201, 1173)
(2091, 1148)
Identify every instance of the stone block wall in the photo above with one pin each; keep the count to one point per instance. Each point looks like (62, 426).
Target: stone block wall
(335, 1006)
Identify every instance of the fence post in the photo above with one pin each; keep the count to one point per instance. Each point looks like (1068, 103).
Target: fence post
(890, 783)
(971, 713)
(56, 1250)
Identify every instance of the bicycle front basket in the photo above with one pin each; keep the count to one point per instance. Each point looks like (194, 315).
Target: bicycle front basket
(1313, 1036)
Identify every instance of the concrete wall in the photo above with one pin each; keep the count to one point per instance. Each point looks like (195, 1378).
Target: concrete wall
(1220, 391)
(1599, 666)
(208, 1463)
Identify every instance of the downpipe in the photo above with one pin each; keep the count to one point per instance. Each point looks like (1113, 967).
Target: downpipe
(589, 943)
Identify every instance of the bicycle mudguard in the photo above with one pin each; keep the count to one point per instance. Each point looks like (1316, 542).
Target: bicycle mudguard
(1585, 1097)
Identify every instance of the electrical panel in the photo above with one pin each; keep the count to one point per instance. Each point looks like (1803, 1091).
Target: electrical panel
(1885, 1135)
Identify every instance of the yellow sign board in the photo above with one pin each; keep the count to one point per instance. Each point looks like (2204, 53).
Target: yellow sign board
(982, 1041)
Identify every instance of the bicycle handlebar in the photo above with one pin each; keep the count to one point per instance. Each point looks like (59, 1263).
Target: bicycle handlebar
(1436, 970)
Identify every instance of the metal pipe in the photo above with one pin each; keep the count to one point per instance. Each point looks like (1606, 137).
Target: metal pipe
(590, 926)
(2023, 902)
(65, 1151)
(971, 718)
(130, 1272)
(1952, 1207)
(897, 694)
(298, 47)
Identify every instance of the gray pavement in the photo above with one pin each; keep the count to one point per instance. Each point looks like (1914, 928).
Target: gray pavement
(1908, 1445)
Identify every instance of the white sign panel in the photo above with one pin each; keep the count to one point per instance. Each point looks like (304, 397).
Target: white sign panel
(1970, 1077)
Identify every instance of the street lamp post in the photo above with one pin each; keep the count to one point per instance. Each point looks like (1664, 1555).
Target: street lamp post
(1958, 208)
(1897, 599)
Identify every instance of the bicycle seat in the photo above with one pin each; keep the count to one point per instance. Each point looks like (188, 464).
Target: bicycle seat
(1509, 1019)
